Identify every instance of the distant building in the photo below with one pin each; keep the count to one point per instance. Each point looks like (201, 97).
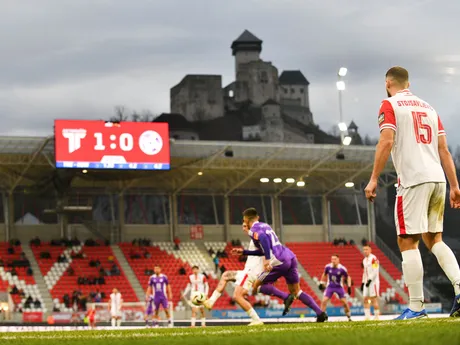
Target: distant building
(260, 105)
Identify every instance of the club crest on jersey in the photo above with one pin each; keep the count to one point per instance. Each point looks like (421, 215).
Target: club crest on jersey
(381, 118)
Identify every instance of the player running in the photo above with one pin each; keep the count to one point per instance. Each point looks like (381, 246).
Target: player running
(91, 315)
(412, 131)
(115, 304)
(335, 273)
(279, 261)
(198, 283)
(243, 285)
(155, 297)
(370, 285)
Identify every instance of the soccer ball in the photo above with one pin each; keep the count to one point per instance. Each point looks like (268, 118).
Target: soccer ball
(198, 298)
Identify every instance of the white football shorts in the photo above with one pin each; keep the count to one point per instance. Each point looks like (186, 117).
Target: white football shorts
(245, 279)
(420, 209)
(373, 290)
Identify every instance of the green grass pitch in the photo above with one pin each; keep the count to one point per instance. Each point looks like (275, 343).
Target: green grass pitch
(423, 332)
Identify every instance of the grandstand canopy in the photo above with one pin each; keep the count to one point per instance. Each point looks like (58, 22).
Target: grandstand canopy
(226, 167)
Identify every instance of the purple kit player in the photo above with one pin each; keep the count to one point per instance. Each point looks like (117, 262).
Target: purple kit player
(155, 296)
(335, 274)
(279, 262)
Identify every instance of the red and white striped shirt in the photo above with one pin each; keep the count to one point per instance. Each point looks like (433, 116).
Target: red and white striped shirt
(415, 151)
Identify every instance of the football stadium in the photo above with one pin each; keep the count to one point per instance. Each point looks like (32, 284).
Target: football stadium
(232, 218)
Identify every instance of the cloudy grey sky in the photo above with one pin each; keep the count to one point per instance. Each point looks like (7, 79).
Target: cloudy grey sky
(80, 58)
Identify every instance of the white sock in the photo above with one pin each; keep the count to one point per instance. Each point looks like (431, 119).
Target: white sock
(448, 263)
(367, 313)
(114, 322)
(193, 321)
(412, 268)
(118, 322)
(253, 315)
(214, 297)
(203, 321)
(376, 313)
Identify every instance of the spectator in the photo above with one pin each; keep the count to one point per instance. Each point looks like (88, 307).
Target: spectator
(176, 243)
(134, 242)
(211, 252)
(216, 263)
(182, 271)
(14, 290)
(45, 255)
(114, 270)
(66, 300)
(352, 243)
(111, 258)
(37, 304)
(364, 241)
(28, 302)
(2, 263)
(35, 242)
(147, 255)
(98, 263)
(102, 272)
(97, 297)
(10, 251)
(14, 272)
(70, 271)
(101, 281)
(29, 271)
(107, 243)
(62, 259)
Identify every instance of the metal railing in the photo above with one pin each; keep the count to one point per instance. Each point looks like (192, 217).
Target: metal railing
(389, 253)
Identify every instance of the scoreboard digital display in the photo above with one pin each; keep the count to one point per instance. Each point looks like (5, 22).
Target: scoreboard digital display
(84, 144)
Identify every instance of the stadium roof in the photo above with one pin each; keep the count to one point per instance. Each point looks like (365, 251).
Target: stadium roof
(226, 167)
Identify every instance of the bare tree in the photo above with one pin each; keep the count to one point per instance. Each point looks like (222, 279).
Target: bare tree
(120, 114)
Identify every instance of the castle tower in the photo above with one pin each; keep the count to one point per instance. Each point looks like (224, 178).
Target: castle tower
(246, 48)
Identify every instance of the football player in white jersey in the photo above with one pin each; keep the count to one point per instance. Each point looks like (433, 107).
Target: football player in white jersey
(198, 283)
(244, 281)
(115, 304)
(411, 130)
(370, 285)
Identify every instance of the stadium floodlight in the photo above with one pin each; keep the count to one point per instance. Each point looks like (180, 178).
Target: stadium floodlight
(349, 184)
(340, 85)
(200, 173)
(343, 126)
(300, 183)
(277, 180)
(346, 141)
(264, 180)
(84, 171)
(290, 180)
(342, 72)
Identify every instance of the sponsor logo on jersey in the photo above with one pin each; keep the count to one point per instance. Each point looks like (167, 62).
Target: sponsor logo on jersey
(381, 118)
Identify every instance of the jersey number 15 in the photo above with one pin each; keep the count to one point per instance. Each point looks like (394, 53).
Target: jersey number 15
(423, 131)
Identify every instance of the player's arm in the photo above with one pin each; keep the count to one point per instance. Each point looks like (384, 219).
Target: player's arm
(148, 293)
(206, 286)
(187, 290)
(257, 252)
(447, 162)
(382, 152)
(374, 271)
(169, 290)
(322, 282)
(349, 284)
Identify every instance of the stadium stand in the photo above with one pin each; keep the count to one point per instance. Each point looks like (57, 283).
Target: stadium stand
(15, 280)
(60, 281)
(314, 256)
(232, 263)
(171, 261)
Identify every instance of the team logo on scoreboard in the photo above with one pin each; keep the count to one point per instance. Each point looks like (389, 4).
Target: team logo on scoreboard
(150, 142)
(74, 137)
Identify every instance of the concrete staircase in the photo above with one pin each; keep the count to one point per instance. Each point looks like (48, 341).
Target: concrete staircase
(44, 292)
(124, 265)
(304, 274)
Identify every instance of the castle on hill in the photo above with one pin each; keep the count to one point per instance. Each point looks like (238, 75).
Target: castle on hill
(260, 105)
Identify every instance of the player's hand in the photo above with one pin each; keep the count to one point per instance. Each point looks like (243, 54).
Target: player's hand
(267, 266)
(368, 283)
(362, 287)
(349, 291)
(371, 190)
(237, 251)
(321, 287)
(455, 197)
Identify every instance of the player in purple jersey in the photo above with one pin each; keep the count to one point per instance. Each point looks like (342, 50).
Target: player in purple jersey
(155, 296)
(279, 261)
(335, 273)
